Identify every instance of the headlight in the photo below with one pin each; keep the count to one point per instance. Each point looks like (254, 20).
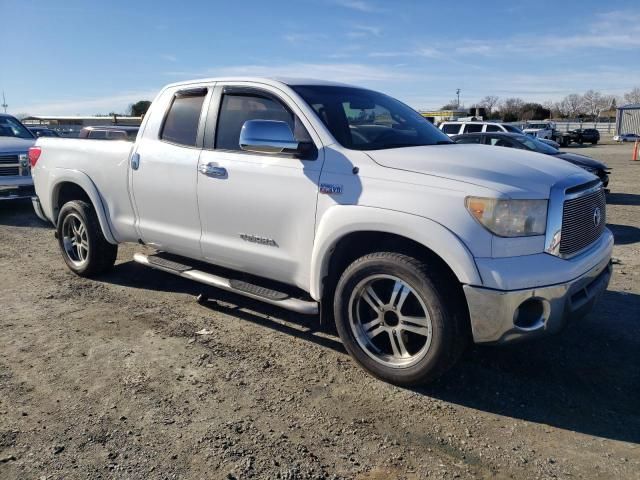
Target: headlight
(509, 218)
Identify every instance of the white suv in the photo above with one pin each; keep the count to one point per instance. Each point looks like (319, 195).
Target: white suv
(457, 128)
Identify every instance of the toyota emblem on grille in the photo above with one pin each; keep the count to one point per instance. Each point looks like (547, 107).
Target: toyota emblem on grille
(597, 216)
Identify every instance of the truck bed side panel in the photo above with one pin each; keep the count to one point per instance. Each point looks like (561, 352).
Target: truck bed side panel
(105, 162)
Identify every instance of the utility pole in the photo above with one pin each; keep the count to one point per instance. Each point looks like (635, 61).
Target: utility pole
(4, 102)
(458, 94)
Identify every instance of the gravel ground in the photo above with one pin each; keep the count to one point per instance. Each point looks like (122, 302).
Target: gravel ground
(107, 379)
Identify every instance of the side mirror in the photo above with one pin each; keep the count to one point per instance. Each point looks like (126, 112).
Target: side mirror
(267, 136)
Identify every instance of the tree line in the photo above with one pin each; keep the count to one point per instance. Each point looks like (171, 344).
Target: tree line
(588, 106)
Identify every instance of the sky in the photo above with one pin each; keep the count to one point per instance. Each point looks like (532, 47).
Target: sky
(87, 57)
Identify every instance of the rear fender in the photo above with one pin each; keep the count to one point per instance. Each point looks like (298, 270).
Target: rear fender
(59, 176)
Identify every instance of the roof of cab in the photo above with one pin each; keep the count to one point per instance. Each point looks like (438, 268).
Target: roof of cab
(289, 81)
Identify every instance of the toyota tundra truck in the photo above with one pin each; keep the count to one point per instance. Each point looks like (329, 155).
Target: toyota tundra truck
(341, 202)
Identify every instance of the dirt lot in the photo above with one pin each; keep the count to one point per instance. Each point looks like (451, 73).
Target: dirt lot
(107, 379)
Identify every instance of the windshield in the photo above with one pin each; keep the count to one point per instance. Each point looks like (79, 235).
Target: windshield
(10, 127)
(361, 119)
(537, 146)
(512, 129)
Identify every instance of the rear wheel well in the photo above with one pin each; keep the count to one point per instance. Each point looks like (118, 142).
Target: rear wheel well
(66, 192)
(357, 244)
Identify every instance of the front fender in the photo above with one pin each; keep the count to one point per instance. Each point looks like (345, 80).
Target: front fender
(59, 176)
(342, 220)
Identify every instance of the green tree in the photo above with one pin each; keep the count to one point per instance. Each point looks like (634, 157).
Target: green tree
(139, 108)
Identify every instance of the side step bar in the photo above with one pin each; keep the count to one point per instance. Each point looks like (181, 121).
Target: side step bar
(256, 292)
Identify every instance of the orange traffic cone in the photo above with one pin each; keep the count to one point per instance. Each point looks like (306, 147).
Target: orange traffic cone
(634, 157)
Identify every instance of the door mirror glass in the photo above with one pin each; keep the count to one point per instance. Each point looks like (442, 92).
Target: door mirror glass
(267, 136)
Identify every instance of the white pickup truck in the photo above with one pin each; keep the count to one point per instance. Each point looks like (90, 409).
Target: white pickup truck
(322, 197)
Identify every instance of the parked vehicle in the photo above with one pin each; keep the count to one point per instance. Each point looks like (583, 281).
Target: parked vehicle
(316, 196)
(525, 142)
(626, 137)
(15, 173)
(43, 132)
(108, 132)
(585, 135)
(457, 128)
(540, 129)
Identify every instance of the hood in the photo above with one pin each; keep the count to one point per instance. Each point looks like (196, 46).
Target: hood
(516, 173)
(14, 144)
(581, 160)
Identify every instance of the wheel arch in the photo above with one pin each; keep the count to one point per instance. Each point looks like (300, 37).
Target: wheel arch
(347, 232)
(74, 185)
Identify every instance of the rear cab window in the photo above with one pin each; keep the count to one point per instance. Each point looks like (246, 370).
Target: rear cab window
(493, 128)
(183, 117)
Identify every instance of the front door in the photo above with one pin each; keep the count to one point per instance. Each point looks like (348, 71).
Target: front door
(257, 210)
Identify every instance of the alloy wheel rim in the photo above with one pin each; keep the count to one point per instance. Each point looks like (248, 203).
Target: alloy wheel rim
(75, 240)
(390, 321)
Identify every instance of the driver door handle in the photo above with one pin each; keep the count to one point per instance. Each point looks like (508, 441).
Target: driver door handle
(212, 170)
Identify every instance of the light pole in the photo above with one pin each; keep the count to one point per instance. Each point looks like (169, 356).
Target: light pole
(458, 95)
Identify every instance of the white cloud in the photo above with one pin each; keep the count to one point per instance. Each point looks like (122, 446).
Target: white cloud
(341, 72)
(169, 57)
(298, 38)
(360, 5)
(616, 30)
(428, 52)
(362, 31)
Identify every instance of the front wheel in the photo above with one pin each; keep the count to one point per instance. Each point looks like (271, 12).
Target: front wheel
(399, 319)
(83, 246)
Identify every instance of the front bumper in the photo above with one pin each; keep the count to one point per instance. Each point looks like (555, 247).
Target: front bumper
(499, 316)
(15, 192)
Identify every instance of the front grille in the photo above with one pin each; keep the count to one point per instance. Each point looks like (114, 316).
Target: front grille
(583, 220)
(4, 171)
(9, 159)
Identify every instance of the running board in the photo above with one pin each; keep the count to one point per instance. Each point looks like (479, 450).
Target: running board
(256, 292)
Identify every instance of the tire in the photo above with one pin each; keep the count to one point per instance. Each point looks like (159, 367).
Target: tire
(83, 246)
(423, 317)
(595, 142)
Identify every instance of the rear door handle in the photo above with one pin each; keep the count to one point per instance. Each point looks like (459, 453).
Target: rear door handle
(212, 170)
(135, 161)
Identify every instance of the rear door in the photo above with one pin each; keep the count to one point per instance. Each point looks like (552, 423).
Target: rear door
(164, 171)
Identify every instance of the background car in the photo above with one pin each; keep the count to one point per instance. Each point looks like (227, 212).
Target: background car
(109, 132)
(626, 137)
(526, 142)
(585, 135)
(456, 128)
(15, 172)
(43, 132)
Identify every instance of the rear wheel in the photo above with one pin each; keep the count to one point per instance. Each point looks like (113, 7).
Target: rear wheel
(84, 248)
(398, 318)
